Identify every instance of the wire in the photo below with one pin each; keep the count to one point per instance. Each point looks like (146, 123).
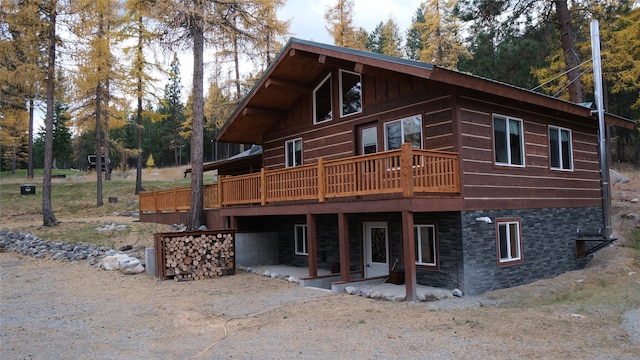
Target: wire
(564, 73)
(226, 332)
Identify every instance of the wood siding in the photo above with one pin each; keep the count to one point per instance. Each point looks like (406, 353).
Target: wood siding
(490, 186)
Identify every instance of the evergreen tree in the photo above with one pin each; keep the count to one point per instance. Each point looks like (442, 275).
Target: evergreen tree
(173, 113)
(413, 42)
(385, 39)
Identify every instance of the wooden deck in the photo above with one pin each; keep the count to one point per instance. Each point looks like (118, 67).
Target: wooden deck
(406, 171)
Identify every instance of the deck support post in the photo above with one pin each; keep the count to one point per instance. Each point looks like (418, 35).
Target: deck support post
(343, 236)
(409, 254)
(312, 247)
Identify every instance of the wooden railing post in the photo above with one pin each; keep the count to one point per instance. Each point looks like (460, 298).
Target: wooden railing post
(263, 187)
(406, 169)
(220, 192)
(322, 181)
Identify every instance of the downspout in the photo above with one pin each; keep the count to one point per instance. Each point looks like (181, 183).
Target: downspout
(604, 166)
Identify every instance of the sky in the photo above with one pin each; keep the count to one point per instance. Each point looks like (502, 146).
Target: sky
(308, 23)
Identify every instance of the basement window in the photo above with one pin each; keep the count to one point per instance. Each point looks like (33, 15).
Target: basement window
(350, 93)
(301, 239)
(322, 101)
(425, 245)
(508, 241)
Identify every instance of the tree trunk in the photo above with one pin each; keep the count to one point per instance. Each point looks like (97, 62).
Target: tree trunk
(107, 152)
(48, 218)
(571, 59)
(30, 164)
(197, 140)
(99, 199)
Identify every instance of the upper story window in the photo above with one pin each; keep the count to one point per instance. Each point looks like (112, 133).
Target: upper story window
(560, 150)
(425, 244)
(508, 140)
(322, 101)
(404, 130)
(350, 93)
(293, 152)
(509, 241)
(301, 240)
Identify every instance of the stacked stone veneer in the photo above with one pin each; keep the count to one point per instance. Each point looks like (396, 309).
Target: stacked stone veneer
(467, 255)
(548, 246)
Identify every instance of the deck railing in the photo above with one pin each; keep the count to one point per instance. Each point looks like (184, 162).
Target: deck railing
(405, 171)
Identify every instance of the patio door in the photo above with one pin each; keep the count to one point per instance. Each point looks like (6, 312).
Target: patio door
(376, 249)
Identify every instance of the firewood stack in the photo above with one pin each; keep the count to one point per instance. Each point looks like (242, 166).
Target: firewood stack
(198, 256)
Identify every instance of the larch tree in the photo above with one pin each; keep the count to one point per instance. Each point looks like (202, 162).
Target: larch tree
(340, 26)
(339, 20)
(96, 69)
(22, 72)
(193, 24)
(140, 81)
(51, 11)
(385, 39)
(440, 34)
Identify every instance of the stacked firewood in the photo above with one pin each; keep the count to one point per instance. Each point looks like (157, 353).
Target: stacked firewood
(197, 257)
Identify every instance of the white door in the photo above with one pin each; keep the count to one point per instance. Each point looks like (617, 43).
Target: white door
(376, 249)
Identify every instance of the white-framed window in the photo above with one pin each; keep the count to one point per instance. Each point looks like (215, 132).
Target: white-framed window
(322, 101)
(293, 152)
(508, 140)
(300, 239)
(560, 148)
(350, 93)
(425, 244)
(508, 241)
(408, 129)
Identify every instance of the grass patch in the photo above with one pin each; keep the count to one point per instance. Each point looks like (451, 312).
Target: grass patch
(633, 242)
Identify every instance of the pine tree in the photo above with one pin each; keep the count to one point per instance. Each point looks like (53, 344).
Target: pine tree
(413, 41)
(173, 113)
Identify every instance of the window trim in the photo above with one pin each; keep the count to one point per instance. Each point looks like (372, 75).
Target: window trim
(315, 119)
(286, 152)
(509, 261)
(305, 250)
(436, 255)
(401, 121)
(342, 93)
(522, 142)
(559, 129)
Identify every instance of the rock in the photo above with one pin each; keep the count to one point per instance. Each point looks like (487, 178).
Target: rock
(130, 266)
(633, 216)
(350, 290)
(203, 228)
(456, 293)
(126, 247)
(112, 262)
(634, 200)
(615, 177)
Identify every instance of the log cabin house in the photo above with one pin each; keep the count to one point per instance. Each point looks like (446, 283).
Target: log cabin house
(372, 165)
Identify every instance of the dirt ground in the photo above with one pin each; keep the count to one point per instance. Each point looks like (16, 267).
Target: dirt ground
(59, 310)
